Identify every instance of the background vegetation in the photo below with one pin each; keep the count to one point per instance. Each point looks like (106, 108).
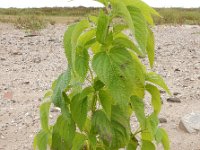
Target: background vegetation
(37, 18)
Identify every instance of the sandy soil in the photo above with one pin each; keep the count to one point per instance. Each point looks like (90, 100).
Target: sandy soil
(28, 65)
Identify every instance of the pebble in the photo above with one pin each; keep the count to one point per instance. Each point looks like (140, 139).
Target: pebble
(190, 123)
(176, 93)
(174, 100)
(163, 120)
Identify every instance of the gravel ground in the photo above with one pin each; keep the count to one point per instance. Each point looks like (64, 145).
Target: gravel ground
(28, 65)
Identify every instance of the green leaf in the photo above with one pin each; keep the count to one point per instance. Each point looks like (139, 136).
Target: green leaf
(78, 108)
(120, 9)
(155, 97)
(82, 62)
(165, 139)
(102, 126)
(123, 41)
(144, 8)
(98, 84)
(85, 38)
(60, 85)
(157, 80)
(138, 107)
(44, 115)
(63, 133)
(150, 47)
(120, 128)
(117, 28)
(102, 27)
(67, 43)
(41, 140)
(133, 144)
(150, 128)
(106, 101)
(158, 136)
(140, 27)
(78, 141)
(78, 30)
(121, 74)
(147, 145)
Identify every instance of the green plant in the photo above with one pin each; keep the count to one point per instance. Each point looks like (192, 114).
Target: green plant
(105, 84)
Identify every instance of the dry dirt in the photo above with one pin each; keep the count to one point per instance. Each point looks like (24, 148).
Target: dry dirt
(28, 65)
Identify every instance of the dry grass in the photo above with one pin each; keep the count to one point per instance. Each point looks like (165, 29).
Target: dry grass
(37, 18)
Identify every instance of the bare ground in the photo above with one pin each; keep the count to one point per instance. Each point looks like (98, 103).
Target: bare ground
(28, 65)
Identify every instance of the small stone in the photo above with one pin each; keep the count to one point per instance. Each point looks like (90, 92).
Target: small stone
(3, 59)
(190, 123)
(176, 93)
(177, 69)
(8, 95)
(27, 82)
(174, 100)
(55, 109)
(163, 120)
(37, 60)
(16, 53)
(162, 92)
(159, 47)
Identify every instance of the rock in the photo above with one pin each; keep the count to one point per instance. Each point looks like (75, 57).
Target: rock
(31, 35)
(174, 100)
(55, 109)
(177, 69)
(176, 93)
(16, 53)
(8, 95)
(37, 60)
(163, 120)
(3, 59)
(190, 123)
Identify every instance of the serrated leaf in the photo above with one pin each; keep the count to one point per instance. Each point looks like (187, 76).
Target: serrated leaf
(145, 9)
(106, 101)
(150, 48)
(117, 28)
(41, 140)
(67, 43)
(155, 97)
(82, 62)
(157, 80)
(102, 126)
(165, 139)
(120, 73)
(86, 37)
(63, 133)
(158, 136)
(78, 30)
(147, 145)
(44, 115)
(60, 85)
(150, 127)
(123, 41)
(120, 9)
(138, 107)
(102, 27)
(78, 108)
(140, 27)
(120, 128)
(78, 141)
